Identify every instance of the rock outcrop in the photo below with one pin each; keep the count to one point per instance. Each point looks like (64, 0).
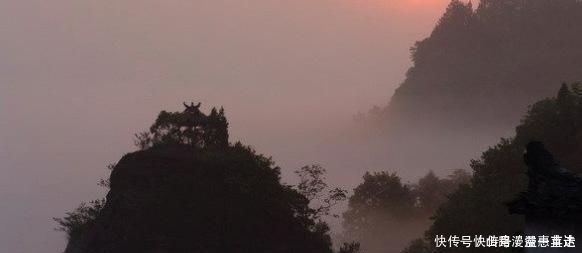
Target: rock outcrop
(553, 193)
(552, 204)
(182, 199)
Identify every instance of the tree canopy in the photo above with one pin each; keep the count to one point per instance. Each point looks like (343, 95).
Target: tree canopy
(483, 66)
(190, 127)
(500, 174)
(384, 213)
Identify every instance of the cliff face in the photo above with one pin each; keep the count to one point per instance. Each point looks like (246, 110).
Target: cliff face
(181, 199)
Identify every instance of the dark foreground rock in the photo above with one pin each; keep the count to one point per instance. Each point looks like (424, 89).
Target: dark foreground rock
(552, 204)
(181, 199)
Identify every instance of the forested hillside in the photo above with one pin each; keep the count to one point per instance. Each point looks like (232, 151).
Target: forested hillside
(482, 65)
(480, 207)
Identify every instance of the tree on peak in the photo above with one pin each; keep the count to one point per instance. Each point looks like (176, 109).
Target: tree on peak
(565, 99)
(190, 127)
(457, 17)
(220, 198)
(483, 66)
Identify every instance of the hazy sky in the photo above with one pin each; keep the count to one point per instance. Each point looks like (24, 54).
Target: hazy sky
(78, 78)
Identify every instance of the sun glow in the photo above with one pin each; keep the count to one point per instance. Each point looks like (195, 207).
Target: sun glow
(409, 6)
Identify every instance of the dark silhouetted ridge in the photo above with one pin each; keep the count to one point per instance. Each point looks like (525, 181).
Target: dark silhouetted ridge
(481, 67)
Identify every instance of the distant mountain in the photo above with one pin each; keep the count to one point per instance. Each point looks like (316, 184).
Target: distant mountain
(481, 67)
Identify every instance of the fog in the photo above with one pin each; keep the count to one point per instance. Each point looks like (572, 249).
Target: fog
(79, 78)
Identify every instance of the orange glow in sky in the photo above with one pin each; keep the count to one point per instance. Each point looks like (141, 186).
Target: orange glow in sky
(425, 3)
(435, 7)
(419, 5)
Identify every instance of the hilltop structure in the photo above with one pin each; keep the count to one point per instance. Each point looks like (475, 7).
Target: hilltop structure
(189, 190)
(190, 127)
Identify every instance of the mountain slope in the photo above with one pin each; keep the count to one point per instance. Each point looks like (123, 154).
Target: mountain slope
(479, 69)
